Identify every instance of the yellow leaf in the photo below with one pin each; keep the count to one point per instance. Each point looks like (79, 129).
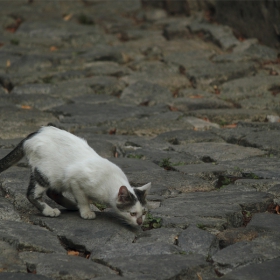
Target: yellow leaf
(26, 107)
(53, 48)
(68, 17)
(72, 253)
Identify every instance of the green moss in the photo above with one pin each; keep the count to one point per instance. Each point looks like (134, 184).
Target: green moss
(137, 156)
(151, 222)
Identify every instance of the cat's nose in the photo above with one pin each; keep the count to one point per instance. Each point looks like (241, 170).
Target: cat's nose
(139, 221)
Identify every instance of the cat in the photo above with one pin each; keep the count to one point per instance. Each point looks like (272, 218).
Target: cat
(62, 162)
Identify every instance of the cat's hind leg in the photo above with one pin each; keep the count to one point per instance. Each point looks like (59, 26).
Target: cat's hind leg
(37, 186)
(61, 200)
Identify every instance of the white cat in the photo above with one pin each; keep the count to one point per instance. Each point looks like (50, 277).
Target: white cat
(62, 162)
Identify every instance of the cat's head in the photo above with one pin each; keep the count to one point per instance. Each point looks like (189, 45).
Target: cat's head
(133, 206)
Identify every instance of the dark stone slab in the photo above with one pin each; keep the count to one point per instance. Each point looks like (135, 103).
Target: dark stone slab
(245, 87)
(194, 240)
(61, 266)
(265, 222)
(146, 92)
(79, 234)
(166, 266)
(22, 276)
(204, 208)
(29, 237)
(7, 211)
(183, 137)
(9, 260)
(218, 152)
(244, 253)
(267, 270)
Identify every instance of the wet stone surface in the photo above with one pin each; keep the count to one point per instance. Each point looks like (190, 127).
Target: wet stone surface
(176, 101)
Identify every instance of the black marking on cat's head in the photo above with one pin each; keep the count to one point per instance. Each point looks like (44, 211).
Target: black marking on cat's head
(141, 195)
(125, 199)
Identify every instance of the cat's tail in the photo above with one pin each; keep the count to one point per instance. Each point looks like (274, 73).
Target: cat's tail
(15, 155)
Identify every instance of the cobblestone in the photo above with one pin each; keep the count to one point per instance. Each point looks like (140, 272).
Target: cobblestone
(176, 101)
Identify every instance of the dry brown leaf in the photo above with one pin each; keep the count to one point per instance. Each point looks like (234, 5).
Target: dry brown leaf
(196, 96)
(206, 119)
(73, 253)
(67, 17)
(112, 131)
(233, 125)
(8, 63)
(53, 48)
(277, 209)
(26, 107)
(199, 276)
(173, 109)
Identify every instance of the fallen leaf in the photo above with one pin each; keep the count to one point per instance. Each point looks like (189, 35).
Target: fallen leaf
(233, 125)
(8, 63)
(26, 107)
(67, 17)
(196, 96)
(206, 119)
(73, 253)
(53, 48)
(87, 256)
(173, 109)
(277, 209)
(199, 276)
(112, 131)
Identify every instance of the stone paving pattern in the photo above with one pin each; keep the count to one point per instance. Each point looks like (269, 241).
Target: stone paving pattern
(177, 101)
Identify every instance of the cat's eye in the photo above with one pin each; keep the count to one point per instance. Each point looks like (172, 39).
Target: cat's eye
(144, 212)
(133, 214)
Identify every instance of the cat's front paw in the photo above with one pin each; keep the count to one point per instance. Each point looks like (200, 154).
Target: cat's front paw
(89, 215)
(50, 212)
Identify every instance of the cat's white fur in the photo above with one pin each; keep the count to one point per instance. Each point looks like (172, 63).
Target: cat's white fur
(71, 165)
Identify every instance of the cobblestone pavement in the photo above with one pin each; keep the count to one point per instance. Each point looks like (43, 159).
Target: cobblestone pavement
(176, 101)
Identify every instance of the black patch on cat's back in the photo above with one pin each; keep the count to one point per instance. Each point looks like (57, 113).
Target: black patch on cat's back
(141, 196)
(41, 179)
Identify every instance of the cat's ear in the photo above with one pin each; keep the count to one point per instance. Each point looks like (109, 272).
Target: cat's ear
(123, 195)
(146, 188)
(142, 192)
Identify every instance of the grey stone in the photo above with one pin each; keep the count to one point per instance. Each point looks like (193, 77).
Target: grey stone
(109, 251)
(146, 92)
(16, 122)
(9, 260)
(266, 270)
(197, 241)
(166, 267)
(244, 253)
(186, 209)
(252, 52)
(217, 152)
(61, 266)
(150, 126)
(78, 234)
(234, 235)
(183, 137)
(226, 116)
(187, 104)
(7, 211)
(251, 137)
(22, 276)
(256, 86)
(221, 35)
(263, 185)
(160, 235)
(172, 81)
(29, 237)
(265, 222)
(33, 89)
